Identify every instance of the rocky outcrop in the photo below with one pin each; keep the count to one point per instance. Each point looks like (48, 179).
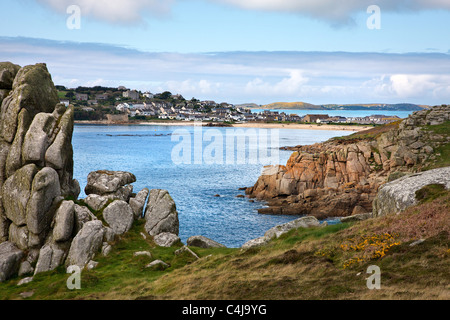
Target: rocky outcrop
(330, 179)
(40, 228)
(398, 195)
(36, 161)
(277, 231)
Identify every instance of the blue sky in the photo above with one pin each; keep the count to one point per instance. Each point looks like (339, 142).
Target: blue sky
(254, 51)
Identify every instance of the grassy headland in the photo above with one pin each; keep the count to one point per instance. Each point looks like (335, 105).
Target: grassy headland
(317, 263)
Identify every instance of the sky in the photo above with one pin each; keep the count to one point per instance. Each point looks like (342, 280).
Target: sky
(254, 51)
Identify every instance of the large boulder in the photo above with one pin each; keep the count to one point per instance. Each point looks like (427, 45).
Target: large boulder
(203, 242)
(51, 255)
(303, 222)
(398, 195)
(275, 232)
(166, 239)
(10, 257)
(64, 221)
(161, 213)
(119, 216)
(86, 244)
(104, 182)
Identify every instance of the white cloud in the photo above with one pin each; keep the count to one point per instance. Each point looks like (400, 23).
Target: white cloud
(289, 86)
(336, 11)
(133, 11)
(236, 77)
(113, 11)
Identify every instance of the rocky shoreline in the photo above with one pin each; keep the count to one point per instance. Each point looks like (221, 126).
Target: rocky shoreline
(341, 177)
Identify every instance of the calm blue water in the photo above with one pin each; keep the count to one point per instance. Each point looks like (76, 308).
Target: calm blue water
(343, 113)
(146, 152)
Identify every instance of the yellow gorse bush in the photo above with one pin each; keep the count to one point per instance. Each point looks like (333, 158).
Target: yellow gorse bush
(370, 247)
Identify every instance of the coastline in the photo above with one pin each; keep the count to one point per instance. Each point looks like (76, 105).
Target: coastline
(297, 126)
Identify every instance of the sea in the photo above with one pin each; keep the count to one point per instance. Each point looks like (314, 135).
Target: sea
(202, 168)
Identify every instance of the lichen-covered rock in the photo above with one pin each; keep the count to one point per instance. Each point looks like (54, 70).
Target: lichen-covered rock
(161, 213)
(32, 89)
(398, 195)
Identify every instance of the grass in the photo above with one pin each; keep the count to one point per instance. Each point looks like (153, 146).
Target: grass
(442, 152)
(367, 135)
(315, 263)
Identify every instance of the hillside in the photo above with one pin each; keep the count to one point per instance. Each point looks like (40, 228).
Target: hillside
(362, 106)
(316, 263)
(292, 105)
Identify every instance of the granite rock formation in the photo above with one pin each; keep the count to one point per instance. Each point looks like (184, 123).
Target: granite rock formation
(342, 176)
(42, 224)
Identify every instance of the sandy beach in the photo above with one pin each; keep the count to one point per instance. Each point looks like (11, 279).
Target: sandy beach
(298, 126)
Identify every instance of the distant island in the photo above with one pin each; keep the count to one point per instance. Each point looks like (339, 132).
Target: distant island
(362, 106)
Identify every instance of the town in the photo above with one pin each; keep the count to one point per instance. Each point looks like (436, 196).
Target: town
(125, 105)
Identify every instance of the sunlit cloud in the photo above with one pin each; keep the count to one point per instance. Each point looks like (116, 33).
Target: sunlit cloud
(237, 77)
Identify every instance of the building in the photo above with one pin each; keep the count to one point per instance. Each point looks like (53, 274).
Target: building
(148, 95)
(102, 96)
(315, 117)
(65, 102)
(132, 94)
(81, 96)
